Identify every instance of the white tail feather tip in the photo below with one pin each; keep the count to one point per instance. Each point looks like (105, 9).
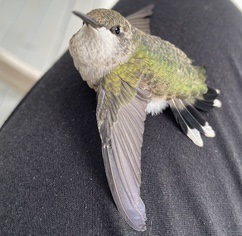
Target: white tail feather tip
(195, 136)
(208, 130)
(217, 103)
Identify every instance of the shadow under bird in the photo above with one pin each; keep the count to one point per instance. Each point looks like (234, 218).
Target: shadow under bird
(135, 73)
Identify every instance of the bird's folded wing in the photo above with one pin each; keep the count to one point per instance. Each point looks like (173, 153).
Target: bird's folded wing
(140, 19)
(121, 125)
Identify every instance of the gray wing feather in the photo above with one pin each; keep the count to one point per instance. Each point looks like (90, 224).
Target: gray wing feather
(140, 18)
(122, 161)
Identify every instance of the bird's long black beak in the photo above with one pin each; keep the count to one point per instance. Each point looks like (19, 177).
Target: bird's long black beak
(87, 19)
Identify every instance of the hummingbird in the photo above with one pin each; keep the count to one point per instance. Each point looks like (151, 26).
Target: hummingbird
(134, 74)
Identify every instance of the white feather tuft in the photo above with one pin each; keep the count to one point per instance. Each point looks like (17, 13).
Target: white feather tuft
(156, 106)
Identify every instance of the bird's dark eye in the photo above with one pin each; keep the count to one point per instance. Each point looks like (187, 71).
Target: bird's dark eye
(115, 29)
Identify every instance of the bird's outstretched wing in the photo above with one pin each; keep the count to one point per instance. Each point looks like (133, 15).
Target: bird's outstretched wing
(120, 117)
(140, 19)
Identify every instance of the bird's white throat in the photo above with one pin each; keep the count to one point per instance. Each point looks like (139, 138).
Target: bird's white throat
(95, 52)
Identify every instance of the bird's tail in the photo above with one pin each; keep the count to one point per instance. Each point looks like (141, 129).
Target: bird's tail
(190, 120)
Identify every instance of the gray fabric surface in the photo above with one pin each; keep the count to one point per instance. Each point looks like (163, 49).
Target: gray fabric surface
(52, 179)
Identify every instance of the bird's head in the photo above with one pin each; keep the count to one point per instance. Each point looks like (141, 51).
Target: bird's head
(104, 41)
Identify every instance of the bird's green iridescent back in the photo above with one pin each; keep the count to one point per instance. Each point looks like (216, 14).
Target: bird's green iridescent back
(164, 69)
(156, 65)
